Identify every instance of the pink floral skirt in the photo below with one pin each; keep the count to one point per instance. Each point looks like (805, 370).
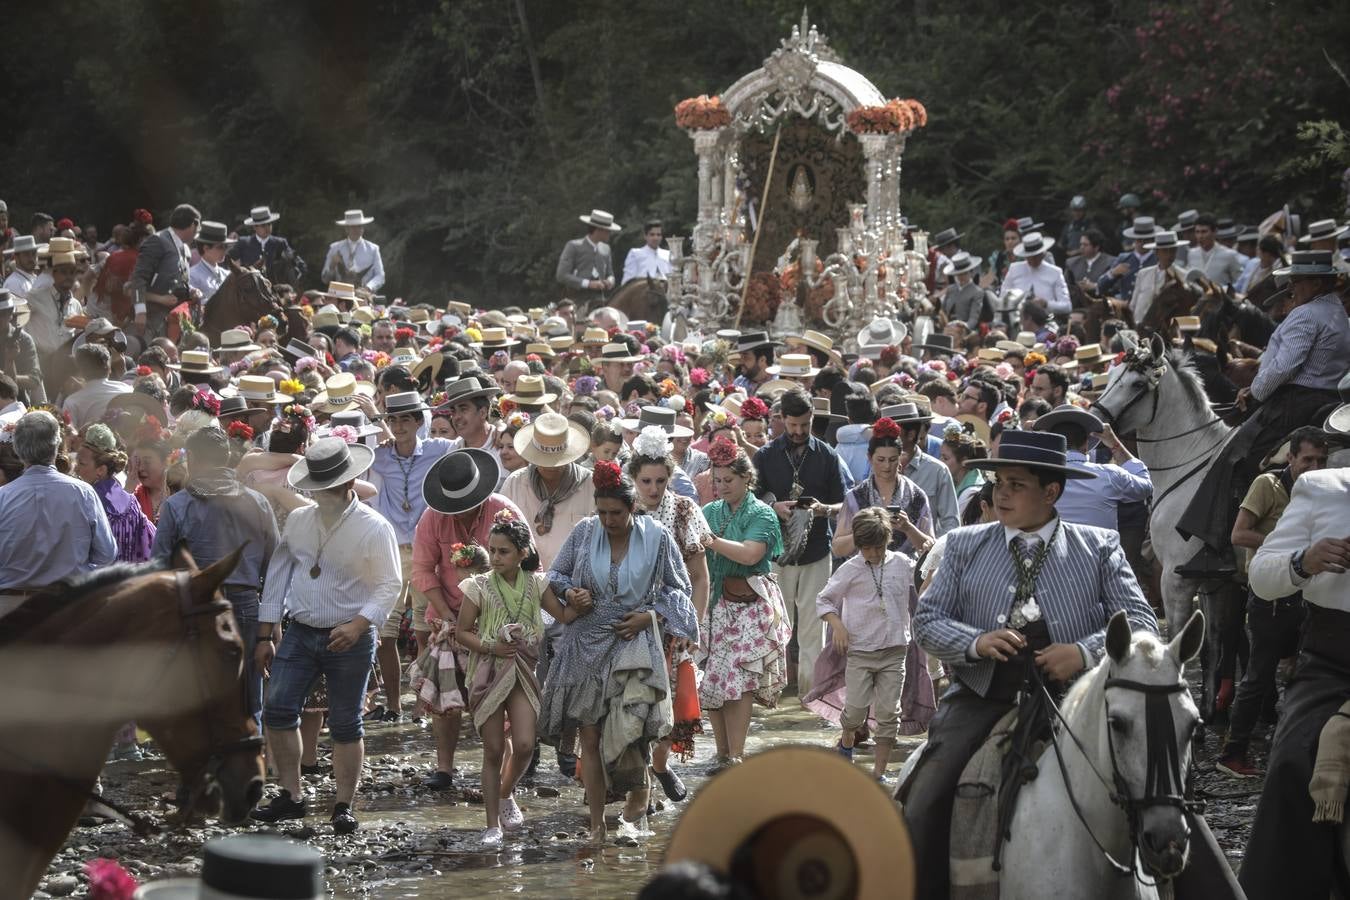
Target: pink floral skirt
(747, 652)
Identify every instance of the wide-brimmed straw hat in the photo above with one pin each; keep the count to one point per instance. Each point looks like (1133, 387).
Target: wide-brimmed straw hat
(815, 340)
(339, 392)
(1033, 244)
(355, 217)
(236, 340)
(341, 290)
(793, 365)
(600, 219)
(661, 417)
(820, 409)
(757, 823)
(551, 440)
(195, 362)
(617, 353)
(329, 461)
(214, 233)
(594, 335)
(461, 480)
(62, 251)
(261, 389)
(1323, 229)
(261, 215)
(530, 391)
(1042, 451)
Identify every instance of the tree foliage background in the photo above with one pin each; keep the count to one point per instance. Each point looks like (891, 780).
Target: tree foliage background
(476, 130)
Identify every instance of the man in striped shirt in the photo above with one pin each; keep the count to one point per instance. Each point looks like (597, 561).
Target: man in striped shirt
(1296, 384)
(337, 573)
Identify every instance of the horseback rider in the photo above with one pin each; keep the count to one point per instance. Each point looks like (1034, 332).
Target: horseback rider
(1066, 581)
(263, 250)
(650, 260)
(1118, 282)
(207, 274)
(355, 260)
(586, 263)
(1151, 279)
(1299, 370)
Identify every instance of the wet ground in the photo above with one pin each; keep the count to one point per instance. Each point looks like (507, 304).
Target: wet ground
(415, 843)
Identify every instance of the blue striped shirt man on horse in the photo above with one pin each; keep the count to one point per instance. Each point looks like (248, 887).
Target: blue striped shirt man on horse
(1029, 592)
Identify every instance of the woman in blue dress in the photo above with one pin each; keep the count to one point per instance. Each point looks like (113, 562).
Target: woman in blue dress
(608, 676)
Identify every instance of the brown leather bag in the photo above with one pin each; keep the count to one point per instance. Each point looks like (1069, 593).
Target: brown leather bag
(737, 589)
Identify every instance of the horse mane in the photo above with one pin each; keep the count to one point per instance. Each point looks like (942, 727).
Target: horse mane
(1183, 363)
(62, 595)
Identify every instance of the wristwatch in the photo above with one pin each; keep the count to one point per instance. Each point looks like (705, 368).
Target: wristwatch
(261, 638)
(1296, 563)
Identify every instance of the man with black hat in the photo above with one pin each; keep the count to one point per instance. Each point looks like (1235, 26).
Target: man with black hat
(1029, 583)
(262, 249)
(1124, 480)
(337, 574)
(755, 352)
(945, 245)
(1118, 282)
(1300, 368)
(469, 401)
(207, 274)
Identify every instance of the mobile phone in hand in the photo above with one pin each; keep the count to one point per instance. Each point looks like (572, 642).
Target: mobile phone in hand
(806, 502)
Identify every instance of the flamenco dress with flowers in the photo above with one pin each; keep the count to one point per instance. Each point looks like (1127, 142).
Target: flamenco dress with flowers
(597, 678)
(747, 642)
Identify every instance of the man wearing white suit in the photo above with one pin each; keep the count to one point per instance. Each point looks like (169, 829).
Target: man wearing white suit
(1029, 587)
(650, 260)
(355, 260)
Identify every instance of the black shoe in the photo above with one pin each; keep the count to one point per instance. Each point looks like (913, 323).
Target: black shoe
(375, 716)
(671, 784)
(567, 764)
(281, 807)
(343, 820)
(1208, 564)
(316, 769)
(393, 717)
(440, 781)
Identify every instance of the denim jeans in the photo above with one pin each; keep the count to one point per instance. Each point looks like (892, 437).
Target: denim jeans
(302, 656)
(1273, 629)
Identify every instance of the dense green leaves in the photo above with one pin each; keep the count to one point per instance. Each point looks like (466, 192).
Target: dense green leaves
(476, 130)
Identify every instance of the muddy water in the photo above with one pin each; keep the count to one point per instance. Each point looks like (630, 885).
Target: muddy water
(549, 858)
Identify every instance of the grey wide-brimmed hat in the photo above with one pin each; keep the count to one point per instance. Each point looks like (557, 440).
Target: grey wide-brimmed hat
(600, 219)
(659, 416)
(328, 462)
(1166, 240)
(261, 215)
(1036, 450)
(1033, 244)
(1323, 229)
(461, 480)
(961, 262)
(1307, 264)
(1142, 229)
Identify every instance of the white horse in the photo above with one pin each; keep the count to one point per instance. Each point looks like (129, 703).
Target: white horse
(1113, 781)
(1157, 395)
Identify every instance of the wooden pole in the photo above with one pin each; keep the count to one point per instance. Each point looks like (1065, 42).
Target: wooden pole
(763, 208)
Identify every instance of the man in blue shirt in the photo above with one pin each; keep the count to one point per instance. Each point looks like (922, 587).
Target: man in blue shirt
(1118, 281)
(52, 526)
(800, 467)
(1124, 480)
(398, 472)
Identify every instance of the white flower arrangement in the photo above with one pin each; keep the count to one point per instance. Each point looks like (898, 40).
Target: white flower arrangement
(652, 442)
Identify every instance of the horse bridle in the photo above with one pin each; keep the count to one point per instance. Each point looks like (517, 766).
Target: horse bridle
(1164, 783)
(217, 753)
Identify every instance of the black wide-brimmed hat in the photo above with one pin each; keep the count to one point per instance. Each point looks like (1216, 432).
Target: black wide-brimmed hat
(1068, 414)
(461, 480)
(297, 349)
(659, 416)
(938, 343)
(1042, 451)
(248, 866)
(750, 340)
(469, 387)
(214, 233)
(329, 462)
(946, 236)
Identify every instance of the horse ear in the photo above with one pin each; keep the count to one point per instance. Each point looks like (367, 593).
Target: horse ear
(182, 558)
(213, 576)
(1118, 637)
(1157, 346)
(1185, 645)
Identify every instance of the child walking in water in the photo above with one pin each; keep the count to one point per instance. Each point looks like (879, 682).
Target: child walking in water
(866, 604)
(500, 625)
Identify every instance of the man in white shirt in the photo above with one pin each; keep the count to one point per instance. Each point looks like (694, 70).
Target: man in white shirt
(25, 253)
(1152, 279)
(650, 260)
(1037, 276)
(355, 260)
(1124, 480)
(87, 405)
(1289, 853)
(207, 274)
(337, 573)
(1215, 261)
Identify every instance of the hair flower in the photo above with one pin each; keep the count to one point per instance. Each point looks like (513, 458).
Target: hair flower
(143, 371)
(723, 452)
(652, 442)
(206, 401)
(885, 429)
(699, 377)
(607, 475)
(241, 430)
(292, 386)
(754, 409)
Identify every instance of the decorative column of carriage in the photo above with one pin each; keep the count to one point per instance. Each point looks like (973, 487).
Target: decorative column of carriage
(799, 199)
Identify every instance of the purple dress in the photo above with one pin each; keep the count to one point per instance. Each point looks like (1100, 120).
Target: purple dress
(135, 534)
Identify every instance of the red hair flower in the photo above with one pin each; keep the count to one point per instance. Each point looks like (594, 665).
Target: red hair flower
(142, 216)
(241, 430)
(108, 880)
(65, 224)
(607, 475)
(143, 370)
(885, 429)
(754, 409)
(723, 452)
(404, 334)
(952, 376)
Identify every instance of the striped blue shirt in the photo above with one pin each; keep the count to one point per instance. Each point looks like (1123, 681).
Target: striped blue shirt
(1310, 348)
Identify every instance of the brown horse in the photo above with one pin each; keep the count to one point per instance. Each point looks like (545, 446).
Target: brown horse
(641, 298)
(1175, 299)
(145, 643)
(242, 299)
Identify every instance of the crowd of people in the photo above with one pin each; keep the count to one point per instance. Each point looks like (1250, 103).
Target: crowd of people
(589, 535)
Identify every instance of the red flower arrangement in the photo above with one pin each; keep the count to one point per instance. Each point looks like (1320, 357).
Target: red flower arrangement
(241, 430)
(885, 429)
(754, 409)
(108, 880)
(892, 118)
(533, 357)
(890, 355)
(205, 401)
(702, 113)
(404, 334)
(607, 475)
(142, 216)
(723, 452)
(668, 388)
(143, 371)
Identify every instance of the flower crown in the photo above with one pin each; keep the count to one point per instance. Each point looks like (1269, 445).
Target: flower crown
(298, 412)
(268, 323)
(467, 556)
(607, 475)
(723, 452)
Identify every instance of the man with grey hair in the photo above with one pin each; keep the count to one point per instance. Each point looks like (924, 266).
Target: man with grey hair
(52, 526)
